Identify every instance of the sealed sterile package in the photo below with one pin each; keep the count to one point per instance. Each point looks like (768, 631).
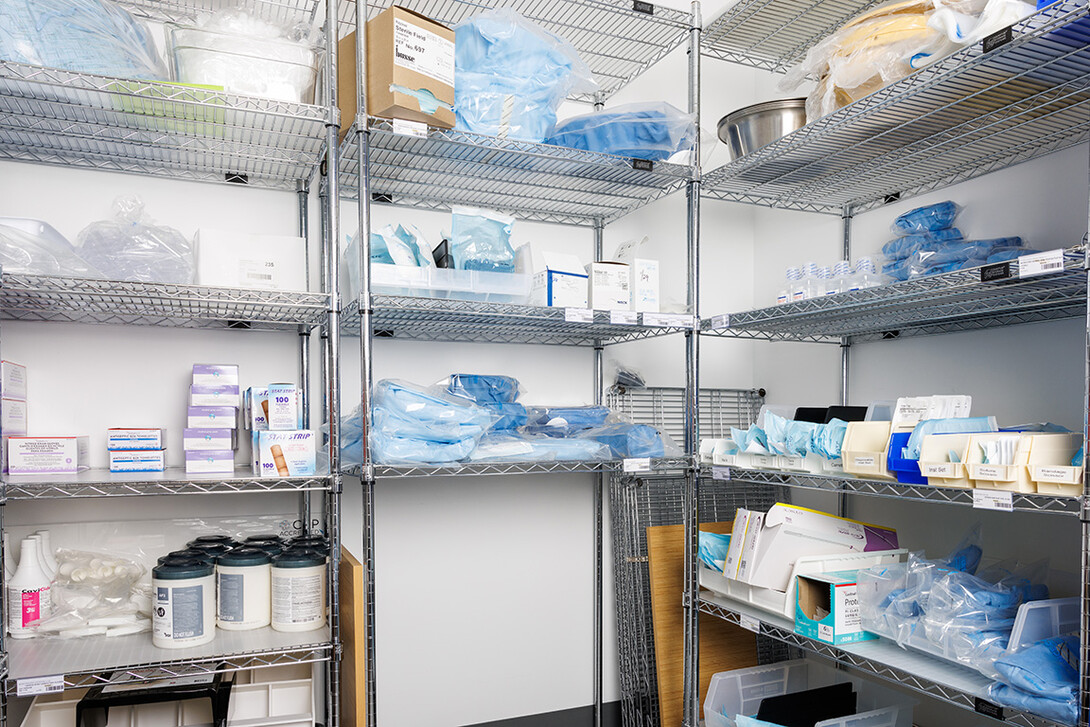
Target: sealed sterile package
(405, 410)
(483, 388)
(33, 247)
(713, 549)
(387, 448)
(132, 247)
(929, 218)
(1063, 710)
(900, 248)
(97, 594)
(561, 421)
(481, 240)
(630, 440)
(400, 245)
(85, 36)
(1048, 669)
(511, 75)
(653, 131)
(509, 446)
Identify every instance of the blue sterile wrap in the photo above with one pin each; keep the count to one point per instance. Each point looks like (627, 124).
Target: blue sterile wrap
(481, 240)
(926, 219)
(1049, 668)
(628, 440)
(1077, 460)
(505, 446)
(653, 131)
(829, 439)
(753, 439)
(560, 421)
(484, 388)
(401, 245)
(962, 425)
(405, 410)
(713, 549)
(900, 248)
(387, 449)
(1064, 711)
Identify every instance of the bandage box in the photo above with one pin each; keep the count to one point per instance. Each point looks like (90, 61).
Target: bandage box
(643, 281)
(211, 417)
(47, 455)
(253, 409)
(609, 286)
(406, 53)
(204, 439)
(210, 462)
(284, 454)
(558, 278)
(245, 260)
(12, 381)
(213, 395)
(282, 408)
(215, 375)
(827, 608)
(118, 439)
(147, 460)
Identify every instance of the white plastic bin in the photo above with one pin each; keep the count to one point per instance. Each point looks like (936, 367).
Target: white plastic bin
(742, 690)
(475, 285)
(1039, 620)
(935, 462)
(1015, 477)
(1050, 466)
(811, 463)
(864, 450)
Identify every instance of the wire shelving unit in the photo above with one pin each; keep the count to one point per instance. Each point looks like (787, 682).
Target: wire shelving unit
(172, 481)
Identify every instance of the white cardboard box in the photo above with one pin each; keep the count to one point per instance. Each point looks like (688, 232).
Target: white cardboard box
(48, 455)
(139, 460)
(609, 286)
(208, 462)
(643, 278)
(284, 454)
(13, 415)
(205, 439)
(12, 380)
(558, 278)
(128, 440)
(247, 260)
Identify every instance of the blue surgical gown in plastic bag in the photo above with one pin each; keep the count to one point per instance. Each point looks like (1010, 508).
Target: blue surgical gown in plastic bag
(406, 410)
(643, 131)
(560, 421)
(629, 440)
(926, 219)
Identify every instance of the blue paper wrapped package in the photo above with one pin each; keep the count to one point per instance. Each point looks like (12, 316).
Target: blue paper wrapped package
(1042, 679)
(958, 425)
(713, 549)
(481, 240)
(85, 36)
(629, 440)
(653, 131)
(400, 245)
(510, 75)
(565, 421)
(900, 248)
(497, 393)
(508, 446)
(926, 219)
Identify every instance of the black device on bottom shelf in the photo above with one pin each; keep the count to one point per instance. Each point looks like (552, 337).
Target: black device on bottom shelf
(94, 709)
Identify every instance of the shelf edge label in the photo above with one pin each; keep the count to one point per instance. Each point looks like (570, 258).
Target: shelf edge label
(721, 321)
(721, 473)
(997, 271)
(668, 320)
(997, 39)
(623, 317)
(633, 465)
(643, 165)
(579, 315)
(411, 128)
(1001, 500)
(32, 686)
(988, 709)
(749, 624)
(1041, 263)
(643, 7)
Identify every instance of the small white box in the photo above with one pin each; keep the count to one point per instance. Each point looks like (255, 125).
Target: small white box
(12, 380)
(215, 375)
(210, 462)
(48, 455)
(118, 440)
(609, 286)
(558, 279)
(226, 395)
(281, 408)
(246, 260)
(205, 439)
(12, 417)
(643, 276)
(138, 460)
(284, 454)
(253, 410)
(211, 417)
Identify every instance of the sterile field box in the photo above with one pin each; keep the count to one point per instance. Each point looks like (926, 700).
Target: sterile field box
(935, 462)
(865, 450)
(1051, 469)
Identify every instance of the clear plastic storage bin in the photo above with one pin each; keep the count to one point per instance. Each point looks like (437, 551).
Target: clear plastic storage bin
(935, 462)
(1039, 620)
(476, 285)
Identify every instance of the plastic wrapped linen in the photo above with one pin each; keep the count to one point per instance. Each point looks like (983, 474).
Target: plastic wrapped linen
(132, 247)
(653, 131)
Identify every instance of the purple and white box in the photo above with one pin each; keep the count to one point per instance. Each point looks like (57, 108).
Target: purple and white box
(210, 462)
(48, 455)
(226, 395)
(211, 417)
(204, 439)
(215, 374)
(138, 460)
(121, 439)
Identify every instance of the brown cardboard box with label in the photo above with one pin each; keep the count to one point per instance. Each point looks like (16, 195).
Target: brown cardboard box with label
(403, 49)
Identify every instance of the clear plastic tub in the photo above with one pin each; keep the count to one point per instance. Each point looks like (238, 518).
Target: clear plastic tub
(1039, 620)
(447, 283)
(935, 462)
(741, 691)
(864, 450)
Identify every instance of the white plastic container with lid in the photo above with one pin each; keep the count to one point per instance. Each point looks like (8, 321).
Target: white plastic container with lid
(28, 591)
(243, 595)
(298, 590)
(184, 607)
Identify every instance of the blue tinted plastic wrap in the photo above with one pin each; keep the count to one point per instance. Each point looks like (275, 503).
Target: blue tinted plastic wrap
(483, 388)
(560, 421)
(1049, 668)
(900, 248)
(653, 131)
(1063, 711)
(713, 549)
(926, 219)
(388, 449)
(536, 448)
(629, 440)
(829, 439)
(481, 240)
(405, 410)
(961, 425)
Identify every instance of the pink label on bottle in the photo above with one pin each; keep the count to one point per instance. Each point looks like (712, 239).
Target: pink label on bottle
(32, 607)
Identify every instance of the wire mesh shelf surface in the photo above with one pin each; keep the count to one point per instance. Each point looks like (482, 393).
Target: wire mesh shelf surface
(967, 115)
(956, 301)
(446, 319)
(536, 182)
(618, 39)
(483, 468)
(173, 481)
(83, 300)
(59, 117)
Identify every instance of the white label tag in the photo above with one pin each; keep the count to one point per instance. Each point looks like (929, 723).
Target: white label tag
(257, 273)
(722, 321)
(637, 464)
(39, 685)
(750, 624)
(1041, 263)
(579, 315)
(424, 52)
(721, 473)
(667, 320)
(993, 500)
(864, 461)
(623, 317)
(938, 470)
(991, 473)
(1054, 474)
(411, 128)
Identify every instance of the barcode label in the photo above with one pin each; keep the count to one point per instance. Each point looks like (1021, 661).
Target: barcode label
(750, 624)
(637, 464)
(258, 276)
(579, 315)
(411, 128)
(1040, 263)
(623, 317)
(667, 320)
(722, 321)
(993, 500)
(39, 685)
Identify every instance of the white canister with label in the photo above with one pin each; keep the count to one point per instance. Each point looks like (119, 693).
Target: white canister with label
(298, 590)
(183, 604)
(243, 589)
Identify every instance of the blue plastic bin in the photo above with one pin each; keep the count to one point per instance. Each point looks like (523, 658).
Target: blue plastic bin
(907, 470)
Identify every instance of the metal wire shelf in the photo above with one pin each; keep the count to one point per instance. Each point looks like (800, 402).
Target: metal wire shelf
(58, 117)
(174, 481)
(967, 115)
(1023, 502)
(82, 300)
(444, 319)
(956, 301)
(479, 469)
(618, 39)
(91, 661)
(536, 182)
(956, 685)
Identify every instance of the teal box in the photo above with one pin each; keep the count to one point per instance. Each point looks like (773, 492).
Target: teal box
(827, 608)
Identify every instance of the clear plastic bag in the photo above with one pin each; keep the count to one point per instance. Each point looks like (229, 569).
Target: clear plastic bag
(958, 255)
(654, 131)
(929, 218)
(632, 440)
(900, 248)
(481, 240)
(565, 421)
(509, 446)
(85, 36)
(132, 247)
(511, 75)
(33, 247)
(97, 594)
(402, 409)
(483, 388)
(400, 245)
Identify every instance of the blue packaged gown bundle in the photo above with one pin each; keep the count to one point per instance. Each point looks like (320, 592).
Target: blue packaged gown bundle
(653, 131)
(412, 424)
(507, 446)
(565, 421)
(1042, 679)
(932, 217)
(481, 240)
(497, 393)
(629, 440)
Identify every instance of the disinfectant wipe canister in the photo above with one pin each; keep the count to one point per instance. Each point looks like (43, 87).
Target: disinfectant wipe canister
(184, 604)
(242, 589)
(298, 590)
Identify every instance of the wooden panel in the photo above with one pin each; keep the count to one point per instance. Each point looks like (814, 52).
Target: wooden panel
(722, 646)
(353, 688)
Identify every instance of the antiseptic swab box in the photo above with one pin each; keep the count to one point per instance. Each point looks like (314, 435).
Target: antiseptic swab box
(47, 455)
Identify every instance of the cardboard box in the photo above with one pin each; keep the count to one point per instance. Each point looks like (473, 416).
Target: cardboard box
(404, 49)
(215, 375)
(284, 412)
(211, 417)
(48, 455)
(128, 440)
(204, 439)
(12, 381)
(13, 416)
(827, 608)
(147, 460)
(789, 532)
(609, 286)
(227, 395)
(253, 412)
(643, 281)
(559, 279)
(210, 462)
(284, 454)
(244, 260)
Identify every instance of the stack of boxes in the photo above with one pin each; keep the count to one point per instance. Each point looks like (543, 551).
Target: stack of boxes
(136, 450)
(281, 447)
(211, 434)
(12, 405)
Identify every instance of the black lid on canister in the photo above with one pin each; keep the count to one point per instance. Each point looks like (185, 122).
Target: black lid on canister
(242, 557)
(213, 550)
(316, 542)
(269, 547)
(221, 538)
(264, 538)
(299, 558)
(188, 553)
(177, 569)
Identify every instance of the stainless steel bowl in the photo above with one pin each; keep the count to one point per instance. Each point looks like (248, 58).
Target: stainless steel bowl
(748, 129)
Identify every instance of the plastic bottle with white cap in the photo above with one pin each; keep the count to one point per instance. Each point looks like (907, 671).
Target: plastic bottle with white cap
(28, 592)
